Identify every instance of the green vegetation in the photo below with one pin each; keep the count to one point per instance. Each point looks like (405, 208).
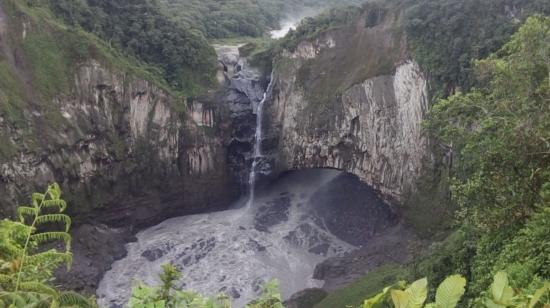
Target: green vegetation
(496, 138)
(42, 66)
(167, 295)
(141, 30)
(367, 286)
(236, 18)
(311, 27)
(54, 52)
(495, 130)
(447, 35)
(26, 265)
(451, 290)
(498, 135)
(448, 294)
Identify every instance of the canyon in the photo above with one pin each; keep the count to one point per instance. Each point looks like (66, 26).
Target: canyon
(129, 153)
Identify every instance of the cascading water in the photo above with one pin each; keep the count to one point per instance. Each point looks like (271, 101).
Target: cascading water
(258, 138)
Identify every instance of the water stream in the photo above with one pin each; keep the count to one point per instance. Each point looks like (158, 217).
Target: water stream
(258, 138)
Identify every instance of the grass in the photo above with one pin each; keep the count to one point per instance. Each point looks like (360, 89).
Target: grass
(367, 286)
(12, 98)
(444, 258)
(78, 45)
(241, 40)
(428, 210)
(50, 64)
(52, 53)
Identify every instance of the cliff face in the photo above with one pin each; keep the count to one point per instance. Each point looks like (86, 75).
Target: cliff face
(115, 142)
(352, 99)
(126, 151)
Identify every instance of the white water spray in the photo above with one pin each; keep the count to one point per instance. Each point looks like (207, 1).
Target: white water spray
(235, 251)
(258, 138)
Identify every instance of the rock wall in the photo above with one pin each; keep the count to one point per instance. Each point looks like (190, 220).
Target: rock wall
(121, 137)
(352, 99)
(243, 87)
(124, 149)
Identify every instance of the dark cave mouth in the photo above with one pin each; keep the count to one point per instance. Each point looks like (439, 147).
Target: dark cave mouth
(344, 205)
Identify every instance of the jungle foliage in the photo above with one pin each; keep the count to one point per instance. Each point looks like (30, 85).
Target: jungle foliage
(450, 292)
(311, 27)
(497, 138)
(447, 35)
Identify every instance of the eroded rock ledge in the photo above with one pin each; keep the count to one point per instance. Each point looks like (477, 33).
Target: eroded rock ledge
(367, 119)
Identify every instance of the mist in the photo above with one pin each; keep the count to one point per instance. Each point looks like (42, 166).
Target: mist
(291, 21)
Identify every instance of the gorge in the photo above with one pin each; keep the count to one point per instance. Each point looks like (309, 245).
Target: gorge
(338, 151)
(240, 136)
(280, 233)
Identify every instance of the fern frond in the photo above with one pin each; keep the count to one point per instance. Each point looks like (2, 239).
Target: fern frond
(61, 205)
(23, 211)
(9, 250)
(6, 280)
(52, 236)
(34, 286)
(9, 298)
(74, 299)
(55, 218)
(38, 300)
(25, 299)
(37, 198)
(50, 257)
(54, 191)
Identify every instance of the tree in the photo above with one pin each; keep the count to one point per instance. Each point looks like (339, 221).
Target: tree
(166, 295)
(498, 135)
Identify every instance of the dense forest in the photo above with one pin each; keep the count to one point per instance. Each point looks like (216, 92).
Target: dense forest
(222, 19)
(141, 30)
(178, 45)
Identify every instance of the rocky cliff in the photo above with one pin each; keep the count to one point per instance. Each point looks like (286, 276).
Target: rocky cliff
(94, 136)
(126, 150)
(352, 98)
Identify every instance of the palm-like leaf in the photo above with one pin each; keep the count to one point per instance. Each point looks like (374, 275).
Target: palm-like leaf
(450, 291)
(400, 298)
(418, 292)
(20, 286)
(50, 256)
(501, 290)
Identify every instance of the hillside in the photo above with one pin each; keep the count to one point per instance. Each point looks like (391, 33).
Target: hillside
(236, 18)
(141, 30)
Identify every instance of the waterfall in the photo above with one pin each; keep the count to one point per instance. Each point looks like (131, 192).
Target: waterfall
(258, 137)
